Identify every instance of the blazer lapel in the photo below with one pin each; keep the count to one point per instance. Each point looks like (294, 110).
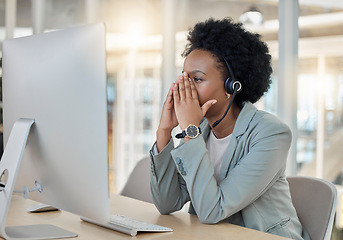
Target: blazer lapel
(241, 126)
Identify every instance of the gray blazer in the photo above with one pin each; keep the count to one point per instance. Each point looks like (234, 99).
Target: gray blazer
(252, 192)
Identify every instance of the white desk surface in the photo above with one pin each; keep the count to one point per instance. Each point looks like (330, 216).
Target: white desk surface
(185, 226)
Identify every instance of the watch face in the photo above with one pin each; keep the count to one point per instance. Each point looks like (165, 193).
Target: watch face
(192, 131)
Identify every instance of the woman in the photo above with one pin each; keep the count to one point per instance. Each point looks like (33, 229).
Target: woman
(231, 161)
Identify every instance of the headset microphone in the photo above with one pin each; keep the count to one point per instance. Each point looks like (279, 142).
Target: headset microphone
(232, 87)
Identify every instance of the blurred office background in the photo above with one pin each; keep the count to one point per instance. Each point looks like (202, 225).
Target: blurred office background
(146, 37)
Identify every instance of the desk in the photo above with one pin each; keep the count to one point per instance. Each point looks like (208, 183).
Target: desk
(185, 226)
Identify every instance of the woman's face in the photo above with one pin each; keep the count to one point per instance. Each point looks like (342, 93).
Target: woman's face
(201, 68)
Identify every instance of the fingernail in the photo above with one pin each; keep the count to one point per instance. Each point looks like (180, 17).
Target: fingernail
(185, 74)
(180, 77)
(189, 79)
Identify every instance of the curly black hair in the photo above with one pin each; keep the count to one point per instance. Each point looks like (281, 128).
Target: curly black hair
(247, 55)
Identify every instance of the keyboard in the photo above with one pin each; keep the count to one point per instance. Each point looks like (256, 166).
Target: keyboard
(130, 226)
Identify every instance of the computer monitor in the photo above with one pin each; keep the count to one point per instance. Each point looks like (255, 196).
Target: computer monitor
(58, 79)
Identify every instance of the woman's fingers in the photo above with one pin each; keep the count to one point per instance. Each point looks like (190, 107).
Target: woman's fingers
(169, 98)
(176, 94)
(194, 92)
(182, 90)
(188, 91)
(170, 92)
(207, 105)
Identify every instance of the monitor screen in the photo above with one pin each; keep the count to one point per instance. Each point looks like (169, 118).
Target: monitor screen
(59, 80)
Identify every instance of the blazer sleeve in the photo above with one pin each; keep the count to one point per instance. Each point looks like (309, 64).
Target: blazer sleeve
(261, 160)
(169, 191)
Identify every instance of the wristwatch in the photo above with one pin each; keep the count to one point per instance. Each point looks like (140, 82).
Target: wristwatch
(191, 131)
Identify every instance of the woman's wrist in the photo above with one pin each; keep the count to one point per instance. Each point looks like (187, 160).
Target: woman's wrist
(162, 138)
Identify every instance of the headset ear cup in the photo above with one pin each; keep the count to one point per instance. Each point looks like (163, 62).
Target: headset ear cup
(228, 86)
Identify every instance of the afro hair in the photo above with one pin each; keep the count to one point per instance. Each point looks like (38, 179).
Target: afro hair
(247, 55)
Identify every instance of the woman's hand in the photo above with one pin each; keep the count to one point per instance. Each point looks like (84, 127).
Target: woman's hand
(167, 122)
(186, 103)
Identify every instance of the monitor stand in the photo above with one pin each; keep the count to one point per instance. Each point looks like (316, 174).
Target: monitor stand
(9, 167)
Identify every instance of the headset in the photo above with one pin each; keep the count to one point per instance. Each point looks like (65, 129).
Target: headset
(232, 87)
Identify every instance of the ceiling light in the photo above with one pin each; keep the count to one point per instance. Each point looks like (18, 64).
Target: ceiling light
(251, 17)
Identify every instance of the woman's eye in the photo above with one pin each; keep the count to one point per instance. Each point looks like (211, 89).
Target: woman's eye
(197, 79)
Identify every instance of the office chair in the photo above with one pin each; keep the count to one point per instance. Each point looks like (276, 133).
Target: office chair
(138, 183)
(315, 202)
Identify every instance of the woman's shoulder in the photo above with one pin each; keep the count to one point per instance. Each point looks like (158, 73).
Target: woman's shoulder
(260, 120)
(268, 119)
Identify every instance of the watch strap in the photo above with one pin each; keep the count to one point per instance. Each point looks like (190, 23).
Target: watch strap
(181, 134)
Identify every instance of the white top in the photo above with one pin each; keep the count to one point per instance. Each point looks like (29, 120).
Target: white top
(216, 149)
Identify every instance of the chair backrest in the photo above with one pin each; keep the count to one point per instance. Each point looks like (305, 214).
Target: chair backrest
(138, 183)
(315, 202)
